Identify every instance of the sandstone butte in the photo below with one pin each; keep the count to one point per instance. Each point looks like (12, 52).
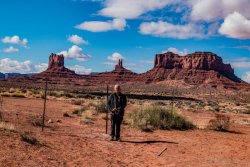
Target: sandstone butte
(194, 69)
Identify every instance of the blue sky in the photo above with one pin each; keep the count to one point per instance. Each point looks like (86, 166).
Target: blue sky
(93, 34)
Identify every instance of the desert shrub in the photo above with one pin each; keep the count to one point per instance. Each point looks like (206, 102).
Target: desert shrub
(69, 95)
(12, 90)
(77, 102)
(23, 90)
(6, 126)
(30, 139)
(156, 117)
(220, 123)
(1, 108)
(101, 107)
(159, 103)
(85, 96)
(131, 102)
(20, 95)
(66, 114)
(37, 120)
(91, 104)
(247, 111)
(80, 110)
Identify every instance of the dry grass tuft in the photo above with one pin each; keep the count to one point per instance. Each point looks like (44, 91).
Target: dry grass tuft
(7, 126)
(220, 123)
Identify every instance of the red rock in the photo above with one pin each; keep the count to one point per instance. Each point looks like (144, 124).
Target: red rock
(56, 69)
(195, 68)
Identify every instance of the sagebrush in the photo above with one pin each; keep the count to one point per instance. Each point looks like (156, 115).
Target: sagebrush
(157, 117)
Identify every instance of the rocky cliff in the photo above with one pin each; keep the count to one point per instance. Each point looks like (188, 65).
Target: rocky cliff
(198, 60)
(195, 68)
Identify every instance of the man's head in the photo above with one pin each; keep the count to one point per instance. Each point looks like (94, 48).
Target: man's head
(117, 89)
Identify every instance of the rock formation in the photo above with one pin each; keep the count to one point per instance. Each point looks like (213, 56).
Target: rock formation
(119, 74)
(56, 61)
(198, 60)
(199, 68)
(195, 68)
(56, 69)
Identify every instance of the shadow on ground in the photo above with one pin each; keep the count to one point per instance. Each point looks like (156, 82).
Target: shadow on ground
(148, 142)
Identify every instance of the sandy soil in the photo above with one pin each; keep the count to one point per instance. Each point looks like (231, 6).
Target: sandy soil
(69, 143)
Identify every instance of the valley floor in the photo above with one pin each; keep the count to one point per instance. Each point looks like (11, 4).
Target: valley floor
(70, 143)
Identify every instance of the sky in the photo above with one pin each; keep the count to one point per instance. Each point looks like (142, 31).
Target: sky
(93, 34)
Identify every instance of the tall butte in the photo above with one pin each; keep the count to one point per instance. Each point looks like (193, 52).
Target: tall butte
(196, 68)
(56, 68)
(119, 74)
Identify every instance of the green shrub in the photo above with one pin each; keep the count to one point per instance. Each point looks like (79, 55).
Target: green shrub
(101, 107)
(156, 117)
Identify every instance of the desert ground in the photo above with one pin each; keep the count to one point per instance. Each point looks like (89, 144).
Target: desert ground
(74, 138)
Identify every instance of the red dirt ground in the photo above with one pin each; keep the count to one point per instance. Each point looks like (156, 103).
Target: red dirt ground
(70, 143)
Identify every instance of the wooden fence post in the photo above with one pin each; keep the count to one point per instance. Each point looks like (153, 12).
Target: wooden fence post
(44, 105)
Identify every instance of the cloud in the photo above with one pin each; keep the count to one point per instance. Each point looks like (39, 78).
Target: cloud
(115, 57)
(8, 65)
(80, 69)
(15, 40)
(75, 39)
(235, 26)
(131, 9)
(13, 66)
(75, 52)
(246, 77)
(241, 64)
(10, 49)
(146, 62)
(212, 10)
(109, 64)
(176, 51)
(102, 26)
(168, 30)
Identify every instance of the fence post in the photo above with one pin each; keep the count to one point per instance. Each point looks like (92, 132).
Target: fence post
(44, 105)
(107, 109)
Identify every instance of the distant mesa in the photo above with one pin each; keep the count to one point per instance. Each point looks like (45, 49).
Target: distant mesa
(199, 68)
(196, 68)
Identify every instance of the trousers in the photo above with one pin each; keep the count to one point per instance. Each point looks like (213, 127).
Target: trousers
(116, 121)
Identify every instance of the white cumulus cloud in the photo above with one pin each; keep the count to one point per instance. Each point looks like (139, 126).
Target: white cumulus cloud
(115, 57)
(10, 49)
(8, 65)
(130, 9)
(75, 39)
(165, 29)
(15, 40)
(102, 26)
(75, 52)
(246, 77)
(13, 66)
(80, 69)
(211, 10)
(176, 51)
(236, 25)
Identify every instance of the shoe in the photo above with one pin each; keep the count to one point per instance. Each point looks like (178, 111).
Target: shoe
(112, 139)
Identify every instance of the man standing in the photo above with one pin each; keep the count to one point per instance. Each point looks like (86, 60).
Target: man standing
(116, 104)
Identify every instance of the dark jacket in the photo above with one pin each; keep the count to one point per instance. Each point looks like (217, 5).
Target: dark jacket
(118, 102)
